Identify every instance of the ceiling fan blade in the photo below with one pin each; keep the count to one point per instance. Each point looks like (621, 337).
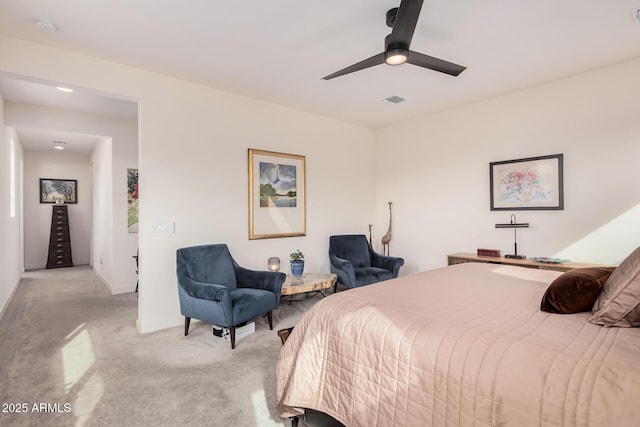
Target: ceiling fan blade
(405, 24)
(367, 63)
(426, 61)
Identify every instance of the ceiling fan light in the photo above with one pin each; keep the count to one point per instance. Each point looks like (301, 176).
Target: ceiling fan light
(396, 56)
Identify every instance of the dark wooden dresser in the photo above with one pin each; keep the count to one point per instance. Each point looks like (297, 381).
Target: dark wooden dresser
(59, 241)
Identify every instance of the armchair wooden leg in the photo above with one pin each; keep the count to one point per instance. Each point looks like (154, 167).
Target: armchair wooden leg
(294, 421)
(187, 320)
(232, 335)
(270, 318)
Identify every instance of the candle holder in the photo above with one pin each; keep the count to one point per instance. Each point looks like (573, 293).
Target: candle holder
(273, 264)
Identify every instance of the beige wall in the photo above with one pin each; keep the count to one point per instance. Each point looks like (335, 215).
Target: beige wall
(193, 145)
(436, 171)
(194, 172)
(102, 207)
(10, 225)
(37, 216)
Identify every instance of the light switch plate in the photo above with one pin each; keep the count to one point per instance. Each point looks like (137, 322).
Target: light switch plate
(164, 227)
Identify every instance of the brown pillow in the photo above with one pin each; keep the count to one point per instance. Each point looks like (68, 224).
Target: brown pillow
(619, 302)
(575, 291)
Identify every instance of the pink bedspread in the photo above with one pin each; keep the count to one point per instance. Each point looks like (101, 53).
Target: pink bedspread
(465, 345)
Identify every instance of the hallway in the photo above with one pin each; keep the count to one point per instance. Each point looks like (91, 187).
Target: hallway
(57, 323)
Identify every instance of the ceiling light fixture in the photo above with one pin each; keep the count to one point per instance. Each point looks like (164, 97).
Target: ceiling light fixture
(58, 145)
(64, 89)
(45, 25)
(395, 56)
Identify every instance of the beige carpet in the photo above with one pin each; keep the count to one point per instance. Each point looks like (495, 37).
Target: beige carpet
(70, 355)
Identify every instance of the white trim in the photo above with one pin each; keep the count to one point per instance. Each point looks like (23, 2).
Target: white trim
(44, 266)
(104, 282)
(114, 290)
(159, 324)
(3, 309)
(122, 290)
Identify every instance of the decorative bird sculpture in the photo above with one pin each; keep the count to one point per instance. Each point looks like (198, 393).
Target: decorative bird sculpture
(387, 237)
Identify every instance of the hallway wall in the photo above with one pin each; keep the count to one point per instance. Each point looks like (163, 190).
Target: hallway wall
(11, 157)
(37, 216)
(119, 274)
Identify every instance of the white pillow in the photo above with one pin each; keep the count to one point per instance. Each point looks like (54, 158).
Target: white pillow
(619, 302)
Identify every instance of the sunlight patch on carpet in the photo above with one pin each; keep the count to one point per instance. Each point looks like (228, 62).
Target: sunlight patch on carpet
(77, 357)
(87, 399)
(261, 411)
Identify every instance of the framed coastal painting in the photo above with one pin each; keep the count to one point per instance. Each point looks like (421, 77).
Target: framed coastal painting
(132, 200)
(277, 195)
(534, 183)
(58, 190)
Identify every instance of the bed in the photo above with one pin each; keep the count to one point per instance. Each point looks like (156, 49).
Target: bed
(465, 345)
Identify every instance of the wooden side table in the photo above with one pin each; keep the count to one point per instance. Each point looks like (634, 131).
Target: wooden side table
(310, 282)
(459, 258)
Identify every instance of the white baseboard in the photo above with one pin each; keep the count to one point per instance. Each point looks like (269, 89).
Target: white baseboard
(122, 290)
(3, 309)
(44, 266)
(159, 324)
(103, 280)
(114, 290)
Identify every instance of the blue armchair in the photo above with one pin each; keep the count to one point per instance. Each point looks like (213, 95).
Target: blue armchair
(355, 262)
(212, 287)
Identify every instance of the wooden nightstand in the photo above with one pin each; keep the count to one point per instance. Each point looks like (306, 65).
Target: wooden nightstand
(459, 258)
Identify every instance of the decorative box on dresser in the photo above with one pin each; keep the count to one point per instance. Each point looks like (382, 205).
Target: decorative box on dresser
(59, 240)
(459, 258)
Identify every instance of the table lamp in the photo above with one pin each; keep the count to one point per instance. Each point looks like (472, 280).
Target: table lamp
(515, 225)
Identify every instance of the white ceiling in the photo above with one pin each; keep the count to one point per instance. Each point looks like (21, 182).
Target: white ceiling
(23, 91)
(46, 94)
(42, 141)
(279, 50)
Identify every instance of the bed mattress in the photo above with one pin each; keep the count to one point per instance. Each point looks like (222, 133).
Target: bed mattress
(465, 345)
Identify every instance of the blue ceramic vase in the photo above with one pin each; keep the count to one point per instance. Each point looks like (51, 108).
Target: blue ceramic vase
(297, 267)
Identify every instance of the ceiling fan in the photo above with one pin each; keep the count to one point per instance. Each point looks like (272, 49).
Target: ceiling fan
(402, 20)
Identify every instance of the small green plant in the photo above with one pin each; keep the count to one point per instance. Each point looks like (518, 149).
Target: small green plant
(296, 255)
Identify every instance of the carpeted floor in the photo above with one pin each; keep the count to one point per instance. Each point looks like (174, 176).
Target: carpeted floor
(70, 355)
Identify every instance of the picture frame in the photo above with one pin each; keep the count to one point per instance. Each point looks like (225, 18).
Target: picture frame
(132, 200)
(277, 195)
(52, 190)
(533, 183)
